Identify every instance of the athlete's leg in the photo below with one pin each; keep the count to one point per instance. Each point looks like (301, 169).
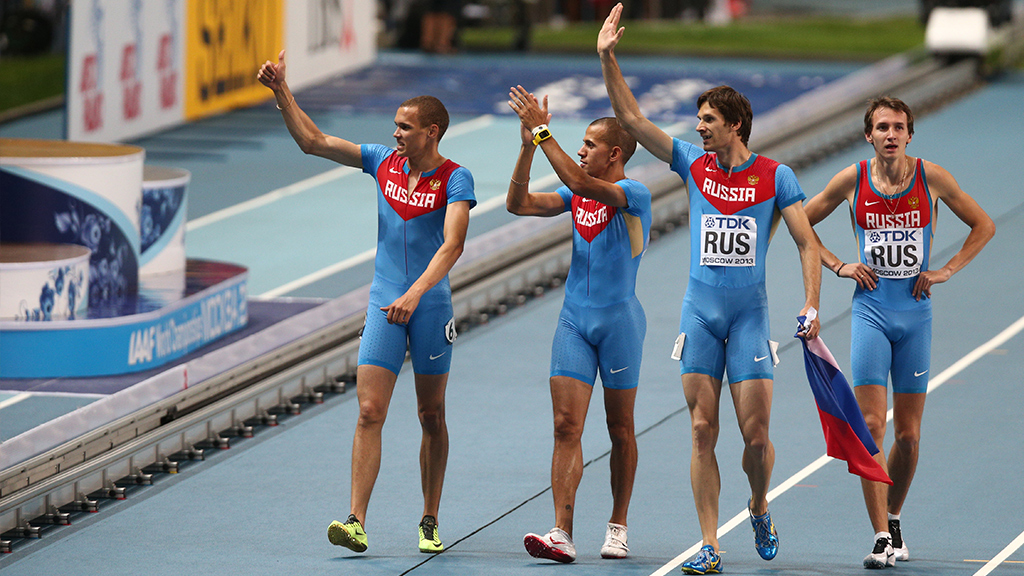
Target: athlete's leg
(570, 399)
(374, 386)
(908, 410)
(874, 405)
(430, 389)
(753, 402)
(703, 395)
(618, 406)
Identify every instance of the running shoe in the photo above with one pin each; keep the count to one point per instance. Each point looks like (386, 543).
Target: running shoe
(899, 547)
(350, 534)
(707, 561)
(615, 542)
(430, 541)
(555, 545)
(766, 540)
(882, 556)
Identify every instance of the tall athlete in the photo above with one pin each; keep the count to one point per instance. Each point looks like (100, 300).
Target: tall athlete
(735, 198)
(423, 202)
(601, 327)
(893, 199)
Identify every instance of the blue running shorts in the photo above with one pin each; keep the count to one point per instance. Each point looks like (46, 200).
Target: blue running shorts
(610, 338)
(428, 336)
(891, 342)
(726, 329)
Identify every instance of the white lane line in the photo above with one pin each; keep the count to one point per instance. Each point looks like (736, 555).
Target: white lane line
(14, 400)
(1003, 555)
(466, 127)
(481, 208)
(270, 197)
(939, 380)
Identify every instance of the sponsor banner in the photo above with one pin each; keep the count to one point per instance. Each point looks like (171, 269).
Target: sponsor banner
(227, 41)
(326, 39)
(123, 344)
(125, 65)
(136, 67)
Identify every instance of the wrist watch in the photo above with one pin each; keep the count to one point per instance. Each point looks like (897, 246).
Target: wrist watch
(540, 134)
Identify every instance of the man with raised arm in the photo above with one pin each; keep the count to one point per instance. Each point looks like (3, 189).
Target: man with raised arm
(735, 199)
(423, 203)
(601, 326)
(894, 199)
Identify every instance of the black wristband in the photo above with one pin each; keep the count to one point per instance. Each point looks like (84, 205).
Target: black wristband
(840, 269)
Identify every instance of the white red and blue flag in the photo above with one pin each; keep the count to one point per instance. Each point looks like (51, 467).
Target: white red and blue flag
(846, 434)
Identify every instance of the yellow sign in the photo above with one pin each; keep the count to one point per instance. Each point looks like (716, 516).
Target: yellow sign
(227, 42)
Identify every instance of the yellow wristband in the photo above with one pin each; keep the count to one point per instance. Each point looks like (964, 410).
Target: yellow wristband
(540, 134)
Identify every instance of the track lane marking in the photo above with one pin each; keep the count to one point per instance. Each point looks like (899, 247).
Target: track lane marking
(956, 368)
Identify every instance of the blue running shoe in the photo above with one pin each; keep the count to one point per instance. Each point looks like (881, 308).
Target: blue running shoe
(707, 561)
(766, 540)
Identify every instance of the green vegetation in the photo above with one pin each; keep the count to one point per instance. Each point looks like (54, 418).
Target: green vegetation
(26, 80)
(30, 80)
(818, 38)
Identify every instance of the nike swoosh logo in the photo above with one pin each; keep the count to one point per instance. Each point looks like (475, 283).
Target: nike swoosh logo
(919, 374)
(709, 169)
(617, 371)
(394, 170)
(872, 203)
(756, 359)
(432, 357)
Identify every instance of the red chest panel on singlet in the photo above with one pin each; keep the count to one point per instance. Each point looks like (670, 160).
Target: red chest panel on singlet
(431, 192)
(590, 216)
(910, 210)
(742, 189)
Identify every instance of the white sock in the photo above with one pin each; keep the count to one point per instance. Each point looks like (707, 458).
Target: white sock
(894, 517)
(885, 535)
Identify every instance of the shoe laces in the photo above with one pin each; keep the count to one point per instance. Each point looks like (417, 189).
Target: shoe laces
(617, 535)
(429, 527)
(763, 528)
(880, 545)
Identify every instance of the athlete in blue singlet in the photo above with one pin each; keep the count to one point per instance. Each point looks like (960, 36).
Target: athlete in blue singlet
(735, 198)
(601, 327)
(423, 203)
(893, 199)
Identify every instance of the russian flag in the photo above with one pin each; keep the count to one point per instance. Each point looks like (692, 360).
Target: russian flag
(846, 434)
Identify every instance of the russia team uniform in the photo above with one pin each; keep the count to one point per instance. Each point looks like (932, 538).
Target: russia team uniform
(724, 321)
(602, 325)
(410, 229)
(891, 331)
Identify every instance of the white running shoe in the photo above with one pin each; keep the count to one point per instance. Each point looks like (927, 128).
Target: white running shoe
(882, 556)
(555, 545)
(615, 542)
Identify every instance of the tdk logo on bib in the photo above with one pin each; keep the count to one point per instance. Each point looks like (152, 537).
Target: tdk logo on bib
(895, 253)
(728, 240)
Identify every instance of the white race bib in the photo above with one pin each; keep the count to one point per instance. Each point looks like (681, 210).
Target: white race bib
(728, 240)
(894, 252)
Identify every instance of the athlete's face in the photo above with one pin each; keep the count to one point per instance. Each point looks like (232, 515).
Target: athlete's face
(595, 154)
(410, 136)
(889, 133)
(714, 131)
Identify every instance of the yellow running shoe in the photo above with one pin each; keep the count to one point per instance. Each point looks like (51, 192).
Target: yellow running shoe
(350, 534)
(430, 542)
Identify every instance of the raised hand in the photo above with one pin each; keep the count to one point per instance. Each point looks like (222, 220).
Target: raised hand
(271, 75)
(531, 113)
(610, 33)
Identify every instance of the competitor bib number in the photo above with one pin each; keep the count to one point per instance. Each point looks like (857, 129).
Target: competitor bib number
(894, 253)
(728, 240)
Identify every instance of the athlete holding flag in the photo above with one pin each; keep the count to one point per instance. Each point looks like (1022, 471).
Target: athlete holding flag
(735, 198)
(894, 198)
